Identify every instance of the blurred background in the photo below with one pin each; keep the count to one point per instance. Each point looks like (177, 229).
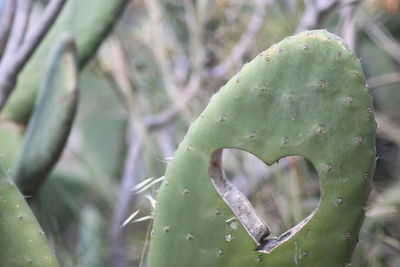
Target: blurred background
(155, 73)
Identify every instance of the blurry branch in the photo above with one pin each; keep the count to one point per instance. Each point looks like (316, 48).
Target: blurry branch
(125, 196)
(387, 128)
(245, 41)
(20, 26)
(6, 24)
(383, 80)
(167, 116)
(159, 45)
(165, 143)
(13, 62)
(384, 39)
(315, 13)
(120, 71)
(347, 27)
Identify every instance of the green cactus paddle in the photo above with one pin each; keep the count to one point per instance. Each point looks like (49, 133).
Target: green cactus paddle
(89, 21)
(51, 119)
(22, 241)
(304, 96)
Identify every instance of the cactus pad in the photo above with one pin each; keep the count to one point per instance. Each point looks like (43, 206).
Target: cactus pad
(22, 241)
(303, 96)
(51, 120)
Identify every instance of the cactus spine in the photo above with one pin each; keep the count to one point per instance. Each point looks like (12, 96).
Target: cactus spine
(303, 96)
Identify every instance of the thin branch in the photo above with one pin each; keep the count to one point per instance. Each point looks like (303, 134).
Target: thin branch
(6, 24)
(315, 13)
(347, 27)
(163, 118)
(383, 80)
(9, 69)
(384, 39)
(20, 26)
(387, 128)
(245, 42)
(125, 196)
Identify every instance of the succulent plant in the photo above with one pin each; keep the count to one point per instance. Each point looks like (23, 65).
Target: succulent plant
(89, 32)
(51, 119)
(306, 95)
(22, 241)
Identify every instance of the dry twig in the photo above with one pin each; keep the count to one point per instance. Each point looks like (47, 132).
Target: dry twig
(11, 65)
(6, 24)
(245, 42)
(315, 13)
(20, 25)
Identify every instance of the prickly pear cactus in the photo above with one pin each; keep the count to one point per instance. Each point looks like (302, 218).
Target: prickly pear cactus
(51, 120)
(304, 96)
(89, 30)
(22, 241)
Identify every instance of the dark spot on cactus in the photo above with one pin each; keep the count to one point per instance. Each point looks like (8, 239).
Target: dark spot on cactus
(238, 80)
(321, 84)
(220, 252)
(166, 183)
(189, 148)
(20, 217)
(285, 140)
(268, 58)
(365, 175)
(348, 99)
(222, 118)
(261, 88)
(304, 253)
(339, 201)
(252, 134)
(328, 167)
(369, 109)
(233, 223)
(217, 212)
(290, 95)
(228, 237)
(356, 71)
(152, 232)
(167, 228)
(30, 261)
(347, 235)
(260, 257)
(186, 191)
(321, 129)
(306, 47)
(360, 138)
(189, 236)
(339, 54)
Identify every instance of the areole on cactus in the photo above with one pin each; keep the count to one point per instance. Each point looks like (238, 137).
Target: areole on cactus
(303, 96)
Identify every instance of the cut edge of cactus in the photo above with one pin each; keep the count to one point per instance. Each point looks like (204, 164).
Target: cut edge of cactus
(255, 226)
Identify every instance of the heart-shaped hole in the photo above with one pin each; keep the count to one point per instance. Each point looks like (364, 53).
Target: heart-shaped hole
(281, 194)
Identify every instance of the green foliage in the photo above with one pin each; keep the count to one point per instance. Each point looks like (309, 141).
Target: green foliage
(51, 119)
(304, 96)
